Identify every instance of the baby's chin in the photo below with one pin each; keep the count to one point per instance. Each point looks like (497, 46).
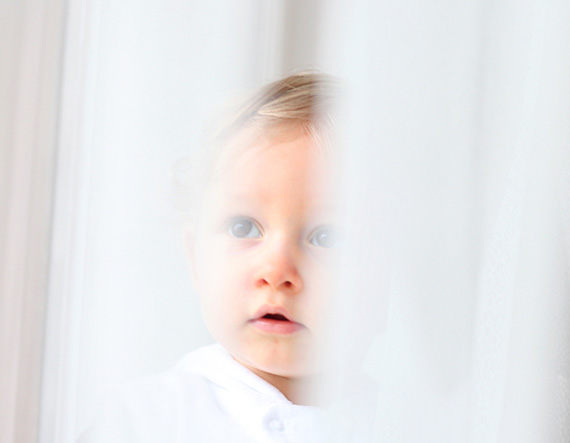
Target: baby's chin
(290, 365)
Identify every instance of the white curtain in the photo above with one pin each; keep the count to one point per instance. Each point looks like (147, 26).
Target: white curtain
(459, 154)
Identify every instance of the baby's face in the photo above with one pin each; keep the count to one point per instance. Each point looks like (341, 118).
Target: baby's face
(263, 256)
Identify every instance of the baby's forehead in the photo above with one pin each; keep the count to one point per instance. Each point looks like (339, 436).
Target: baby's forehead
(257, 145)
(275, 169)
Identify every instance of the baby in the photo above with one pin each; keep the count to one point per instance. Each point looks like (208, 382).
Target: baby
(262, 250)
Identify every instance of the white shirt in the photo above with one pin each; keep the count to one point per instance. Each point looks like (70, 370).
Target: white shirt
(207, 397)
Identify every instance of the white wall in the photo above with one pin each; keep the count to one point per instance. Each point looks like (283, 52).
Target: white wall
(30, 58)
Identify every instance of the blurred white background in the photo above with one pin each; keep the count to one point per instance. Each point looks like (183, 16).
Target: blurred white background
(458, 174)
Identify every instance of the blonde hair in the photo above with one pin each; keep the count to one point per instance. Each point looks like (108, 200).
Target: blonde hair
(305, 100)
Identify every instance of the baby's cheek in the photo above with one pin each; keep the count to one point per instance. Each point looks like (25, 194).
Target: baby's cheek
(230, 296)
(320, 293)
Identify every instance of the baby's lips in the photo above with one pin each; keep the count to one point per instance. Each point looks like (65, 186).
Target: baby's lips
(275, 320)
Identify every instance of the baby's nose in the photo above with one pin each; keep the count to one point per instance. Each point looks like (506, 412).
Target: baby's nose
(279, 270)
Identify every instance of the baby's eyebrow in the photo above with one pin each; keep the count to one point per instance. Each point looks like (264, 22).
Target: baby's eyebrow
(245, 197)
(240, 204)
(241, 199)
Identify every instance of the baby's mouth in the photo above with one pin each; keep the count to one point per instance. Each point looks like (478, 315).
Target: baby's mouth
(274, 322)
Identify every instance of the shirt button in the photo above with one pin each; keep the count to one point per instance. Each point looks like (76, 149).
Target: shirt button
(275, 425)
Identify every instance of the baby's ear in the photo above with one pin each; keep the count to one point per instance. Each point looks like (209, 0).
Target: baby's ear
(190, 246)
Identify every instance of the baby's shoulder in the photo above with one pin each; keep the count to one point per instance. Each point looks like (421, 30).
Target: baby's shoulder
(171, 403)
(186, 383)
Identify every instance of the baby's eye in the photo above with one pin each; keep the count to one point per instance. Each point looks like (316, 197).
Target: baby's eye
(325, 237)
(243, 228)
